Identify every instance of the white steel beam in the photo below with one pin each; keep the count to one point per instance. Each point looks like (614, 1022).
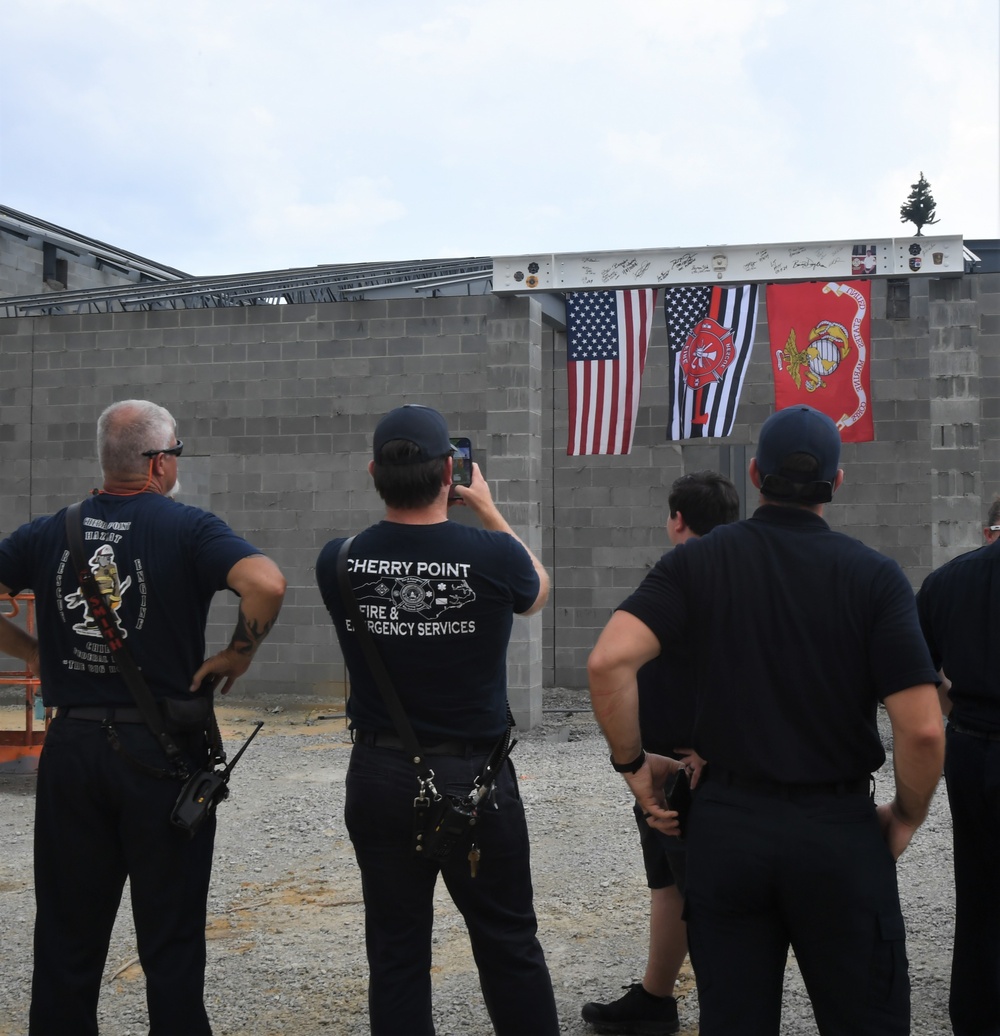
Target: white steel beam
(728, 264)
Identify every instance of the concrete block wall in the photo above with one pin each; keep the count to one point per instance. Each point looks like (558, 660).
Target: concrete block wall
(277, 405)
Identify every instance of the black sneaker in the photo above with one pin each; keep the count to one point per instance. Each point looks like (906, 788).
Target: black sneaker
(635, 1012)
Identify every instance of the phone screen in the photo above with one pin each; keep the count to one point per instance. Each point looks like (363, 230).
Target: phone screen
(461, 470)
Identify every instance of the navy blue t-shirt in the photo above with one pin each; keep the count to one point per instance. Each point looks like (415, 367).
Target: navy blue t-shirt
(959, 608)
(795, 633)
(159, 561)
(439, 601)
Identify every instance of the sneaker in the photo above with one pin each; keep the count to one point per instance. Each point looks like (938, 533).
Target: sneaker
(635, 1012)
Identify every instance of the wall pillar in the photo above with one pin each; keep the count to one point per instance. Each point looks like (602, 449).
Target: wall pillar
(513, 406)
(957, 510)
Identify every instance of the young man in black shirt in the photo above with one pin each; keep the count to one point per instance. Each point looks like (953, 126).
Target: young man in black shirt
(698, 503)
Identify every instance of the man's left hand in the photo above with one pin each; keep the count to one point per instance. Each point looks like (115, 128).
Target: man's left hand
(228, 665)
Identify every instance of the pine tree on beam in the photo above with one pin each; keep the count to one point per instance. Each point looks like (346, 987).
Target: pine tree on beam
(920, 207)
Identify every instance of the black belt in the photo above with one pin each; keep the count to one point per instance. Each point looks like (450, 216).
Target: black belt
(986, 735)
(100, 713)
(778, 789)
(377, 739)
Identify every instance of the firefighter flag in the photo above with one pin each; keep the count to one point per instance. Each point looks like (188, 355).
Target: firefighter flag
(710, 333)
(820, 334)
(607, 334)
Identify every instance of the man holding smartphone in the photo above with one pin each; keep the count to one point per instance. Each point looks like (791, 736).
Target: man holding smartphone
(438, 598)
(698, 503)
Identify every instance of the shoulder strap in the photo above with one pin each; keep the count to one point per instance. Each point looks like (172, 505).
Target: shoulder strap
(375, 664)
(103, 614)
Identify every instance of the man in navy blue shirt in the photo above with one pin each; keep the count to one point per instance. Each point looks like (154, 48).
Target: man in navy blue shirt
(438, 598)
(797, 633)
(104, 798)
(959, 608)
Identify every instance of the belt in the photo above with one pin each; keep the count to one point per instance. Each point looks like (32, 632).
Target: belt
(377, 739)
(100, 713)
(986, 735)
(778, 789)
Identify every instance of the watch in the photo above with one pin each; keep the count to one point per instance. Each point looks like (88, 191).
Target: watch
(632, 767)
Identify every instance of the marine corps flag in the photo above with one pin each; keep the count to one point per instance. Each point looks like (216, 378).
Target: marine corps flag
(710, 333)
(820, 334)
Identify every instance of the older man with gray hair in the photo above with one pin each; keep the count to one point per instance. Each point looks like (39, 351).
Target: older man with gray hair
(104, 796)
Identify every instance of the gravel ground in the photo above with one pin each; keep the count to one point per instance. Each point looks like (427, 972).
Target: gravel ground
(285, 930)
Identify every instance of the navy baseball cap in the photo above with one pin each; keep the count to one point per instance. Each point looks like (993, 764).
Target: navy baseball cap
(421, 425)
(802, 430)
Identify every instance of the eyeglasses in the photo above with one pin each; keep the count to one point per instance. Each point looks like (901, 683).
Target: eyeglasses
(174, 451)
(994, 528)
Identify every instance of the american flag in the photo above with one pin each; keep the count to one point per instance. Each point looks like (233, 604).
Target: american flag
(708, 409)
(607, 334)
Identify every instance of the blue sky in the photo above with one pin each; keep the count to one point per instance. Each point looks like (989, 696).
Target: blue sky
(224, 136)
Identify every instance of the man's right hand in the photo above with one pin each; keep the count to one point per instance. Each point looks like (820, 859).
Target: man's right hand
(647, 785)
(896, 831)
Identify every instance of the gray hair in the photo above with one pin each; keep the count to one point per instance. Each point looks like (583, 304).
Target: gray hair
(126, 430)
(993, 518)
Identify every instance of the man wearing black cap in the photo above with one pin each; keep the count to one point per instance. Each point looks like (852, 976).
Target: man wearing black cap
(439, 599)
(798, 632)
(959, 609)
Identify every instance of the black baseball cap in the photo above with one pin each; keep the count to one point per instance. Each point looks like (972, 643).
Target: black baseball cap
(798, 430)
(421, 425)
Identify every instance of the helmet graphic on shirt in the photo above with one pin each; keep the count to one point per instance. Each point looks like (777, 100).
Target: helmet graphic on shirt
(412, 595)
(102, 563)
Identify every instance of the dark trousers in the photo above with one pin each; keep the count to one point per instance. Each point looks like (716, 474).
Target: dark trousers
(811, 872)
(972, 774)
(399, 891)
(99, 820)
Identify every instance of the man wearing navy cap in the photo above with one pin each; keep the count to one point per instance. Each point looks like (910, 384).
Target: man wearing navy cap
(798, 633)
(439, 599)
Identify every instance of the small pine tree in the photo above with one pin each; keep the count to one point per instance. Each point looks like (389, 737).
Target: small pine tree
(920, 206)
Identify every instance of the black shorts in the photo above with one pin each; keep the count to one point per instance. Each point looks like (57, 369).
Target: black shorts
(662, 855)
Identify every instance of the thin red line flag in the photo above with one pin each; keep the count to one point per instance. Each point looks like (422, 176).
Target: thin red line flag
(710, 331)
(607, 335)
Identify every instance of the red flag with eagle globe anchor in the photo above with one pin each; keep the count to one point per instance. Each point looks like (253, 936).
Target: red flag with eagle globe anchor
(710, 332)
(820, 334)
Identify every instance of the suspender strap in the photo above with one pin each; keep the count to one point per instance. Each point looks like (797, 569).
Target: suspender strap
(103, 614)
(375, 664)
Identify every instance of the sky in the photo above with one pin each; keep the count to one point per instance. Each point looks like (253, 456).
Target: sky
(228, 136)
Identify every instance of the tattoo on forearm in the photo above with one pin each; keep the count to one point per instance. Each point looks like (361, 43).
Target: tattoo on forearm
(249, 634)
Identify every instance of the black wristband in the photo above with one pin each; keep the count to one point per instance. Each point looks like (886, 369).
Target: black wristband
(632, 767)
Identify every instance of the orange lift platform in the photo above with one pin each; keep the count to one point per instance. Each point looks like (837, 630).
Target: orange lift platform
(19, 749)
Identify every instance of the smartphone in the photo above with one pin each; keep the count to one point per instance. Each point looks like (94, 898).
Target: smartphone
(678, 796)
(461, 471)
